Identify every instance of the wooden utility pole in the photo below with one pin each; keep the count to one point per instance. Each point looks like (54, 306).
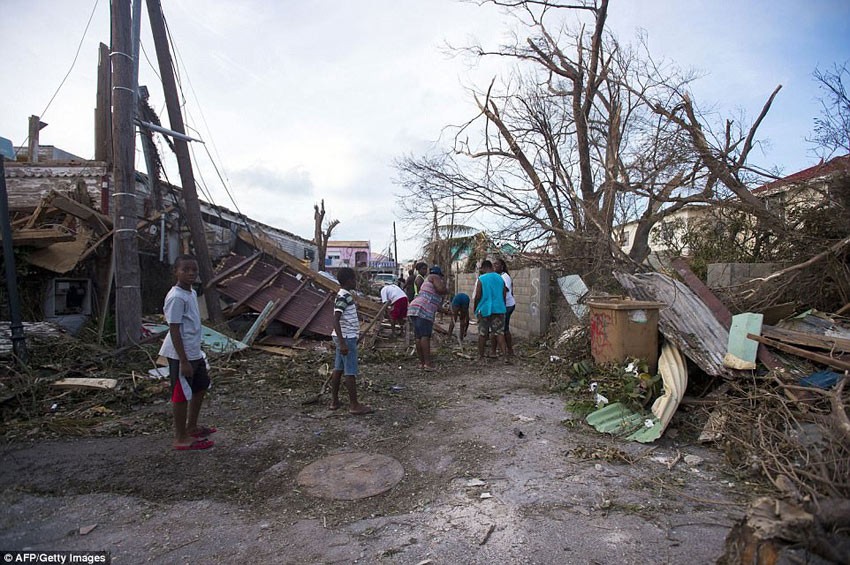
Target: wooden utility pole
(395, 251)
(102, 114)
(128, 301)
(35, 126)
(16, 324)
(184, 162)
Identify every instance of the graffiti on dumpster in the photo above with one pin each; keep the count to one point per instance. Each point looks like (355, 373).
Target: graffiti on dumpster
(599, 321)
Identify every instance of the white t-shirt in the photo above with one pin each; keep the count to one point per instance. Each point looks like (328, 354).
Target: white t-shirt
(509, 298)
(390, 293)
(181, 307)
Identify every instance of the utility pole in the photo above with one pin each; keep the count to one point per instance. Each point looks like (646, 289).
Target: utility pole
(102, 115)
(128, 301)
(16, 325)
(184, 162)
(395, 250)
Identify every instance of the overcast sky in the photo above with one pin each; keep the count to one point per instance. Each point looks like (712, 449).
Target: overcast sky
(305, 100)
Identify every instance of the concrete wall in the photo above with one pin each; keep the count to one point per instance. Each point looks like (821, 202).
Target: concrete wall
(532, 293)
(724, 275)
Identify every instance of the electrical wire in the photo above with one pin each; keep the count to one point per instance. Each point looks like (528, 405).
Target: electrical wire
(179, 80)
(73, 64)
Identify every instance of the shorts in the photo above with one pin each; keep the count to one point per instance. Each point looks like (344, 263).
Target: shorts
(399, 309)
(508, 313)
(494, 324)
(346, 363)
(422, 327)
(182, 388)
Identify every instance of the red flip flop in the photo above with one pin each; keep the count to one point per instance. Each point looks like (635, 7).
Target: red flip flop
(195, 445)
(204, 431)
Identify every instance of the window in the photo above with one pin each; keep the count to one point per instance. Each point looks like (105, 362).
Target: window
(624, 238)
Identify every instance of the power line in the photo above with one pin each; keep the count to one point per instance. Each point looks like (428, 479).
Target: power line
(73, 64)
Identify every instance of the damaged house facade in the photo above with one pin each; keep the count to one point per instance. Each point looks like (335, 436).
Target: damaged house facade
(60, 213)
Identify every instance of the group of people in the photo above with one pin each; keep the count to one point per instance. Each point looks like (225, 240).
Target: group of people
(493, 303)
(422, 297)
(418, 302)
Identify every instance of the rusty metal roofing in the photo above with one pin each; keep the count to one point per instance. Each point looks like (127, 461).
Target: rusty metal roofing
(304, 305)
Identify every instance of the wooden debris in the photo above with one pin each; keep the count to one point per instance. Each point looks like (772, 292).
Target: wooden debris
(275, 350)
(41, 237)
(104, 384)
(804, 353)
(487, 534)
(830, 343)
(258, 323)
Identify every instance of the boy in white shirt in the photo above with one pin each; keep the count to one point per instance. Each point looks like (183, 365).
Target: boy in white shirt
(187, 366)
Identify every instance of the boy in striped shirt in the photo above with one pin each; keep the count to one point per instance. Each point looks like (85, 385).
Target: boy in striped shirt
(345, 333)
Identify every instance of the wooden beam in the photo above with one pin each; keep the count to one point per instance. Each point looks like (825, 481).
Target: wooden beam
(36, 216)
(804, 353)
(227, 272)
(192, 207)
(265, 282)
(375, 320)
(128, 297)
(86, 383)
(312, 315)
(254, 330)
(78, 210)
(40, 237)
(102, 115)
(830, 343)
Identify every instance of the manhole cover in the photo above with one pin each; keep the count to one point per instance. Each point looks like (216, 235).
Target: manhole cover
(351, 476)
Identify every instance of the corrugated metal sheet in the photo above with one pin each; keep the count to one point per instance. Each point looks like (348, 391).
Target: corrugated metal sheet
(244, 285)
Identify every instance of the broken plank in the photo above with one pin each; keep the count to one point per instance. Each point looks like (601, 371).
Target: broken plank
(808, 339)
(379, 316)
(804, 353)
(255, 327)
(85, 213)
(41, 237)
(276, 350)
(86, 383)
(227, 272)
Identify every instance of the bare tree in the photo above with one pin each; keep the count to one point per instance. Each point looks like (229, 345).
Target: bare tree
(832, 128)
(321, 234)
(587, 134)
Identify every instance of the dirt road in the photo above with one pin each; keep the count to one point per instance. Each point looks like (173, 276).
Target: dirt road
(558, 491)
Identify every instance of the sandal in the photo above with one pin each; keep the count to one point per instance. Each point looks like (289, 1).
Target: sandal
(203, 431)
(195, 445)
